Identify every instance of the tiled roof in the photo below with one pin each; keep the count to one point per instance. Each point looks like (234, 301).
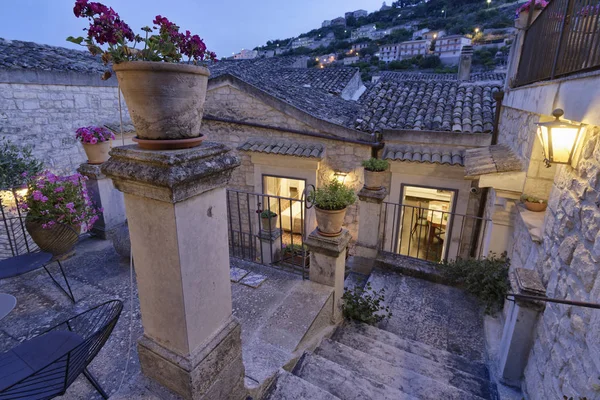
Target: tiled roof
(422, 76)
(16, 54)
(428, 105)
(333, 80)
(308, 150)
(425, 154)
(491, 160)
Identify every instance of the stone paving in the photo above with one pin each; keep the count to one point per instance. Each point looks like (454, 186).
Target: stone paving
(270, 313)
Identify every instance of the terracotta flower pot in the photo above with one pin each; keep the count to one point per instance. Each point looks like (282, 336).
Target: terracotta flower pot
(374, 180)
(269, 224)
(165, 100)
(97, 153)
(329, 222)
(535, 206)
(521, 22)
(56, 240)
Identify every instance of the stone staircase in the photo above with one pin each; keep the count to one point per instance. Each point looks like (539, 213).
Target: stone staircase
(364, 362)
(421, 353)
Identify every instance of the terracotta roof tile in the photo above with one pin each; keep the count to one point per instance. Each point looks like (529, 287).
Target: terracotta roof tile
(307, 150)
(491, 160)
(424, 154)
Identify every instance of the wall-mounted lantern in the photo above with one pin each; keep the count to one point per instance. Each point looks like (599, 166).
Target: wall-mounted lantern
(340, 176)
(559, 139)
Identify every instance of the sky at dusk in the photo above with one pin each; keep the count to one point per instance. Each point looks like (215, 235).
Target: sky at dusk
(226, 26)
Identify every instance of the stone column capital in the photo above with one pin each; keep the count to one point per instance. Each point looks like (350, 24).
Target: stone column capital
(329, 246)
(92, 171)
(372, 196)
(170, 176)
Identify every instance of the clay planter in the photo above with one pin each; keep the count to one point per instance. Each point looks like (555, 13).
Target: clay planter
(97, 153)
(535, 206)
(329, 222)
(57, 240)
(521, 22)
(374, 180)
(165, 100)
(268, 224)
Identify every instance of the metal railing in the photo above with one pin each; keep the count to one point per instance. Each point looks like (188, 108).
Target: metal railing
(564, 39)
(14, 238)
(431, 234)
(515, 297)
(278, 243)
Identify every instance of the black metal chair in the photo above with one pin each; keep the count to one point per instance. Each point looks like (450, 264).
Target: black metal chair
(45, 366)
(19, 254)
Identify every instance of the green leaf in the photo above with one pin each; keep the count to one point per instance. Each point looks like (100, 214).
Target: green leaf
(76, 40)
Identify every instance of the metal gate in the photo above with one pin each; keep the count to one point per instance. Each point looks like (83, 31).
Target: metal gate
(276, 241)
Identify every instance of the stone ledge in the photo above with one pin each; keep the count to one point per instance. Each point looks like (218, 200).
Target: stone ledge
(411, 267)
(372, 196)
(170, 175)
(92, 171)
(331, 246)
(534, 221)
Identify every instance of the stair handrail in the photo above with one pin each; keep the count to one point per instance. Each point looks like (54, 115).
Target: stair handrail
(574, 303)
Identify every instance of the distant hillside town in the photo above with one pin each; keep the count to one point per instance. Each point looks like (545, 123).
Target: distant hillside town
(406, 35)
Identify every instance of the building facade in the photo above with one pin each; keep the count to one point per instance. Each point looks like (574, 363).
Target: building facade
(404, 50)
(246, 54)
(448, 48)
(302, 42)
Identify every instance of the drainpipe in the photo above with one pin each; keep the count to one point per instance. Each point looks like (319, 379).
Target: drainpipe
(498, 96)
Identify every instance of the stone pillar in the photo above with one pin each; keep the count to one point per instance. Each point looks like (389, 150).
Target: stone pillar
(499, 233)
(369, 209)
(328, 263)
(177, 215)
(103, 194)
(270, 245)
(519, 327)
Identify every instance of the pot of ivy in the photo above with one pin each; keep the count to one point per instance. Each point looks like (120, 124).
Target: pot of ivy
(164, 95)
(296, 254)
(534, 204)
(268, 220)
(375, 173)
(330, 203)
(58, 209)
(96, 142)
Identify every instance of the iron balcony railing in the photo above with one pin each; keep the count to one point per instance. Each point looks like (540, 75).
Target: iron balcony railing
(431, 234)
(564, 39)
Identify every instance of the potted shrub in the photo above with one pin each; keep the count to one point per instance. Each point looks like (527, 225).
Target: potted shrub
(165, 97)
(296, 254)
(268, 220)
(17, 163)
(96, 141)
(58, 210)
(330, 203)
(522, 14)
(534, 204)
(375, 173)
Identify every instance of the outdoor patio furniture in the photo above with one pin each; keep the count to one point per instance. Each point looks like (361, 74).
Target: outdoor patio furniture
(20, 254)
(7, 304)
(45, 366)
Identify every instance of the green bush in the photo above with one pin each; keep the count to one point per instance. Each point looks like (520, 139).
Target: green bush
(297, 249)
(267, 214)
(364, 305)
(532, 199)
(375, 165)
(333, 196)
(487, 279)
(16, 165)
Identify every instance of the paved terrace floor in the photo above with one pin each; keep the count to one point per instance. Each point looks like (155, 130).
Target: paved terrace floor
(271, 317)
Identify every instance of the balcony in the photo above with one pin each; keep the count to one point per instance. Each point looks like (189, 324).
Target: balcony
(562, 41)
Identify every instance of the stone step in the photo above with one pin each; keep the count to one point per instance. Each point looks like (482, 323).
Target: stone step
(409, 374)
(343, 383)
(291, 387)
(443, 357)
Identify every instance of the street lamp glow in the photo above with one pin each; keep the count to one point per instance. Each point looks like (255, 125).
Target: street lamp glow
(476, 30)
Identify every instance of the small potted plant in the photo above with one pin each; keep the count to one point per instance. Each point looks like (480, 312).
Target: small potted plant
(296, 254)
(522, 14)
(533, 203)
(58, 210)
(375, 173)
(96, 141)
(331, 202)
(165, 96)
(268, 220)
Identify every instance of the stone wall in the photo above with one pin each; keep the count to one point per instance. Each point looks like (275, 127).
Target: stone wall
(565, 359)
(518, 130)
(229, 102)
(44, 111)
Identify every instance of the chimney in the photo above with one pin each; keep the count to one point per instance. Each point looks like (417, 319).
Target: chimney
(464, 63)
